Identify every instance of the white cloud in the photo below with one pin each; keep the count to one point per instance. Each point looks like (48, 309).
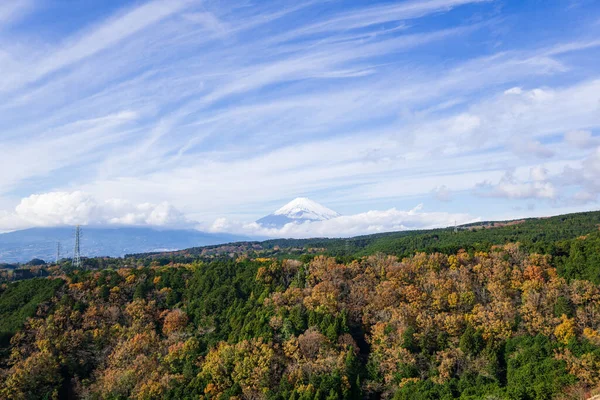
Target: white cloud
(572, 183)
(539, 174)
(514, 90)
(537, 187)
(584, 197)
(442, 193)
(586, 178)
(581, 139)
(374, 221)
(532, 148)
(71, 208)
(57, 208)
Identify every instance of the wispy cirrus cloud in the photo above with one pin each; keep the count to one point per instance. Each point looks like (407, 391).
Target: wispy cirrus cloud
(93, 40)
(376, 15)
(224, 109)
(12, 11)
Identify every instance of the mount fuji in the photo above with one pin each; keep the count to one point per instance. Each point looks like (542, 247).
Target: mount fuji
(298, 211)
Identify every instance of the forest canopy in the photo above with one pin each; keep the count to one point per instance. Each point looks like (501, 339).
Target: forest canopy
(516, 320)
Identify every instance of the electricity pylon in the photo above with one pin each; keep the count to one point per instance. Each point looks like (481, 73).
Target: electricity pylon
(57, 252)
(77, 251)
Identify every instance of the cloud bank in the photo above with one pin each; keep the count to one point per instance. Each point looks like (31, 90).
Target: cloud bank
(73, 208)
(349, 225)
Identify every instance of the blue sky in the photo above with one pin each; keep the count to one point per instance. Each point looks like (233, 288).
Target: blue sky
(403, 114)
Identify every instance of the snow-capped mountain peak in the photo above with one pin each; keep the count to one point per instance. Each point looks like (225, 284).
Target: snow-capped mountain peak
(305, 208)
(299, 210)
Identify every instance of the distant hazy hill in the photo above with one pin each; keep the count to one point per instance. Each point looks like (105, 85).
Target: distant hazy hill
(22, 246)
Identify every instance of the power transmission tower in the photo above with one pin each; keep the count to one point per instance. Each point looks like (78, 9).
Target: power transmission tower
(77, 252)
(57, 252)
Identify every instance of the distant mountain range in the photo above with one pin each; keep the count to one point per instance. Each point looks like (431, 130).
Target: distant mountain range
(298, 211)
(24, 245)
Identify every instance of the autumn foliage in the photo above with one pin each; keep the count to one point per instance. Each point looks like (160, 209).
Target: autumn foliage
(499, 323)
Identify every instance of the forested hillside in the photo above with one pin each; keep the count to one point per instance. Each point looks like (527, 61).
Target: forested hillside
(506, 321)
(557, 236)
(536, 234)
